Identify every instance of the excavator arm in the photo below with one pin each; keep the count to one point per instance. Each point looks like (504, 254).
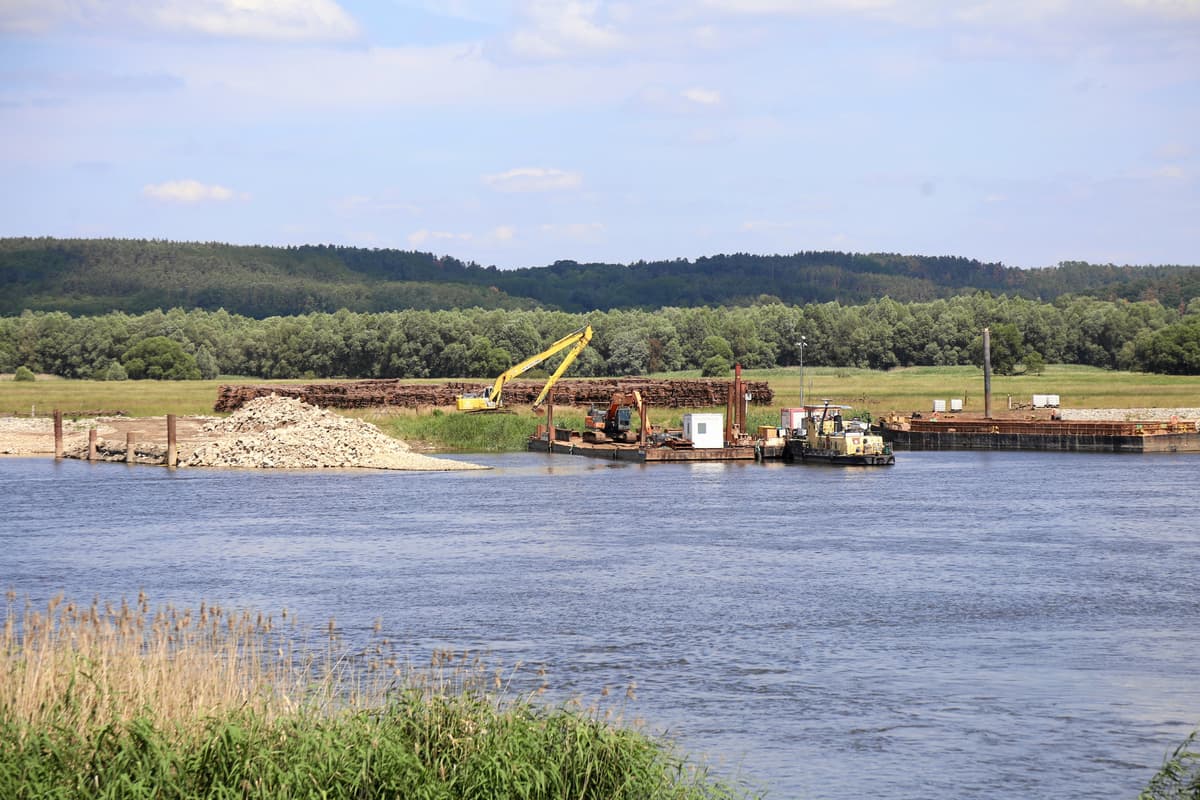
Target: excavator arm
(493, 398)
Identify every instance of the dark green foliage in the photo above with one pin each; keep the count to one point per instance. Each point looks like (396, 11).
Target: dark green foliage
(1179, 778)
(480, 344)
(714, 367)
(1174, 349)
(160, 358)
(420, 747)
(94, 276)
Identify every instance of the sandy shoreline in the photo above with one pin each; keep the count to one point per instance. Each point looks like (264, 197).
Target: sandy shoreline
(269, 433)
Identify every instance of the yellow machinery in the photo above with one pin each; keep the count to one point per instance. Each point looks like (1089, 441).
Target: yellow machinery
(492, 399)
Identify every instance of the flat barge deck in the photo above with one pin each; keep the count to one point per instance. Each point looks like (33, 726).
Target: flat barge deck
(566, 444)
(961, 433)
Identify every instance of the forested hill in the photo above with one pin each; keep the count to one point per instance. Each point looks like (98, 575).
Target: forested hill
(92, 276)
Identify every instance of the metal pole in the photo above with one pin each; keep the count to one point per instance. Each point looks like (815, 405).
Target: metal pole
(987, 373)
(803, 341)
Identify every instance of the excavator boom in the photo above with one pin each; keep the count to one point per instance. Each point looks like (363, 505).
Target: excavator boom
(494, 398)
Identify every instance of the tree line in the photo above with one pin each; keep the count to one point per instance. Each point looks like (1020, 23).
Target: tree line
(95, 276)
(481, 343)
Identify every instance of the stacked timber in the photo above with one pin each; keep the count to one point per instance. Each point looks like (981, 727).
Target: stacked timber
(670, 393)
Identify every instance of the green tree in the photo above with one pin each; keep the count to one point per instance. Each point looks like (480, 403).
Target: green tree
(160, 358)
(714, 367)
(23, 373)
(1034, 363)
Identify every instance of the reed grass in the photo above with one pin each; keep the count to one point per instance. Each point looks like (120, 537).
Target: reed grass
(122, 701)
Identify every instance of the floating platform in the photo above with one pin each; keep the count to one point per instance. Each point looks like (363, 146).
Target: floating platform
(976, 433)
(571, 443)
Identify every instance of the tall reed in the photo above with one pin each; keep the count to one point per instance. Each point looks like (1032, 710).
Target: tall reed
(125, 701)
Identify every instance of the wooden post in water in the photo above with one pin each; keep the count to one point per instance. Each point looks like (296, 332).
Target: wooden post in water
(58, 434)
(171, 449)
(91, 444)
(550, 423)
(130, 438)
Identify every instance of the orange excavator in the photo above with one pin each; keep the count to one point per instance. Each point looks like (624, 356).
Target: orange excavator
(615, 423)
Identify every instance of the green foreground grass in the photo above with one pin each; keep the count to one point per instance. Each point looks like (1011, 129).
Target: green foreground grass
(879, 392)
(128, 702)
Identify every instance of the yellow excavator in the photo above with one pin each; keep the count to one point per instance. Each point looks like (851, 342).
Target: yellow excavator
(492, 399)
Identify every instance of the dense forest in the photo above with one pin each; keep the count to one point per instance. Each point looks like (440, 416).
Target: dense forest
(476, 342)
(92, 308)
(96, 276)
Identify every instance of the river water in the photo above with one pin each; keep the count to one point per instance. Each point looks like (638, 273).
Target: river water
(962, 625)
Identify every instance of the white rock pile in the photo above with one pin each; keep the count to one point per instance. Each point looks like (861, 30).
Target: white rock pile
(282, 433)
(1129, 414)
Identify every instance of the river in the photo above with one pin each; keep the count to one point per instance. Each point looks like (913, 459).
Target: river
(963, 624)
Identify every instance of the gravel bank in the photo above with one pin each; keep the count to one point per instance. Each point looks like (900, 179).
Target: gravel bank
(282, 433)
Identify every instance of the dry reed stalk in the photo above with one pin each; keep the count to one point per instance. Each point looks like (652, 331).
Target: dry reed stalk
(79, 666)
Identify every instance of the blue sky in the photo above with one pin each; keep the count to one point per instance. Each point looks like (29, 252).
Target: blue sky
(1027, 132)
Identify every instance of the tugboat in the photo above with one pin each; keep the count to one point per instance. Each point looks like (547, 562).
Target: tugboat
(827, 438)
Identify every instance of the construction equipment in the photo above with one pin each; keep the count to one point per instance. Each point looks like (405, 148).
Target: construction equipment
(614, 423)
(493, 399)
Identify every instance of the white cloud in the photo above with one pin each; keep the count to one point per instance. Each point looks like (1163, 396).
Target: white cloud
(258, 19)
(188, 192)
(422, 236)
(504, 233)
(533, 179)
(287, 20)
(575, 230)
(704, 97)
(553, 29)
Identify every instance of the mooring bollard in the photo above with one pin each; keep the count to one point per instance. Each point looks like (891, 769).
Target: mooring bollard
(58, 434)
(171, 451)
(130, 438)
(91, 444)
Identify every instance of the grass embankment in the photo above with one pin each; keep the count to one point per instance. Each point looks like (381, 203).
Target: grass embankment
(123, 702)
(901, 390)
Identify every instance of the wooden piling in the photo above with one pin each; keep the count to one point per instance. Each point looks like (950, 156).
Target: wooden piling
(58, 434)
(172, 452)
(130, 439)
(91, 444)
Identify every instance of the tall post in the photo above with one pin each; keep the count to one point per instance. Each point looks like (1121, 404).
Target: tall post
(58, 434)
(172, 450)
(91, 444)
(987, 373)
(803, 341)
(130, 449)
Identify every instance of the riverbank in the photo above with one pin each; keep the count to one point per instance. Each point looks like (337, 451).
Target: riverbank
(267, 433)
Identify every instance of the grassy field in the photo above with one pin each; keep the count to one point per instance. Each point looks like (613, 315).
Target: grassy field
(130, 701)
(900, 390)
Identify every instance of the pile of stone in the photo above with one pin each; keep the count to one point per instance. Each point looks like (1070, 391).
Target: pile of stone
(1129, 414)
(283, 433)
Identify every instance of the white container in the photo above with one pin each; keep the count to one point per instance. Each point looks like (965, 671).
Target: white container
(1045, 401)
(956, 404)
(705, 430)
(791, 418)
(939, 405)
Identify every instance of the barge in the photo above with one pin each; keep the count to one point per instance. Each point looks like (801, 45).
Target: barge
(569, 442)
(609, 433)
(964, 432)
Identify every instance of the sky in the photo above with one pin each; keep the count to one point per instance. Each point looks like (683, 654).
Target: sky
(516, 134)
